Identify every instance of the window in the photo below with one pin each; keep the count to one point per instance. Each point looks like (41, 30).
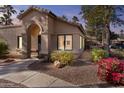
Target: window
(81, 42)
(19, 42)
(68, 42)
(61, 42)
(65, 42)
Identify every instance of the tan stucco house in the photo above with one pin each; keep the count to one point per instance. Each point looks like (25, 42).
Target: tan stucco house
(42, 32)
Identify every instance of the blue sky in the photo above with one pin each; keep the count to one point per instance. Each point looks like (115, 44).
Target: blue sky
(59, 10)
(68, 10)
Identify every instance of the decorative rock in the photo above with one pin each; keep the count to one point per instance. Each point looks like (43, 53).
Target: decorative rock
(57, 64)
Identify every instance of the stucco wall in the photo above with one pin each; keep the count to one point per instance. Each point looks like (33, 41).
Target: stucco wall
(48, 36)
(51, 28)
(40, 19)
(57, 27)
(10, 33)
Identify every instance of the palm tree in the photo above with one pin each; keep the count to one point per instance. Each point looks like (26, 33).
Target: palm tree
(6, 18)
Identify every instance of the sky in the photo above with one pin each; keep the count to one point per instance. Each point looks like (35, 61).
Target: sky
(59, 10)
(68, 10)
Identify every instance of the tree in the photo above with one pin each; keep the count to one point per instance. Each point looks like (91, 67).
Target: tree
(21, 11)
(95, 24)
(103, 16)
(121, 33)
(64, 17)
(95, 31)
(75, 19)
(6, 18)
(113, 36)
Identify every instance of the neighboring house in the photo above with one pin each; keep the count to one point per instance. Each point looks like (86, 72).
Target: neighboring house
(43, 32)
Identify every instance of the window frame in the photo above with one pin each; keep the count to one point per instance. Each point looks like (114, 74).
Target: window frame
(81, 42)
(65, 41)
(18, 42)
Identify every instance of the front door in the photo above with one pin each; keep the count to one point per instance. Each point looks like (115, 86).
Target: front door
(34, 42)
(39, 44)
(35, 45)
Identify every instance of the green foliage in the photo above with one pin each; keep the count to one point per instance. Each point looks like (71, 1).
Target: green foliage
(113, 36)
(119, 53)
(75, 19)
(98, 54)
(122, 34)
(2, 40)
(64, 17)
(63, 57)
(6, 17)
(3, 48)
(102, 17)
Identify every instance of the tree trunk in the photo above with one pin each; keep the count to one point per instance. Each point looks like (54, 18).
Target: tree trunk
(5, 21)
(107, 39)
(103, 38)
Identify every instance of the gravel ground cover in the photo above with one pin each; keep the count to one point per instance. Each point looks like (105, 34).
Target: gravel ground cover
(79, 73)
(9, 84)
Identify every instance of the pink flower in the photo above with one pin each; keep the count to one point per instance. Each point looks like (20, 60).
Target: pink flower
(116, 77)
(111, 69)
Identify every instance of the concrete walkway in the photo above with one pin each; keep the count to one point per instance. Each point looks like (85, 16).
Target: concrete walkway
(19, 73)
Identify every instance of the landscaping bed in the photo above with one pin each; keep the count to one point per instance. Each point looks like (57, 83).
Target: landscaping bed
(119, 53)
(7, 61)
(79, 73)
(9, 84)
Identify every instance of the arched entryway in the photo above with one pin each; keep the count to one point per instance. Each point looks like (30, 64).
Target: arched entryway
(34, 40)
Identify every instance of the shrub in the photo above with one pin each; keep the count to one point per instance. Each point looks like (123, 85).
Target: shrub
(97, 54)
(119, 53)
(111, 70)
(63, 57)
(3, 48)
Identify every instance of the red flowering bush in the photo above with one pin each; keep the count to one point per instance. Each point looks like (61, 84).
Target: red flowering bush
(116, 77)
(111, 70)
